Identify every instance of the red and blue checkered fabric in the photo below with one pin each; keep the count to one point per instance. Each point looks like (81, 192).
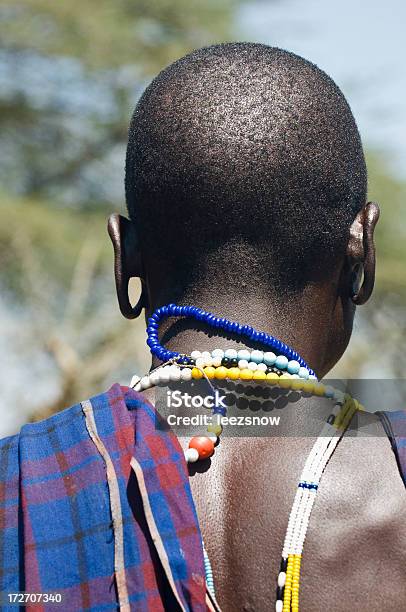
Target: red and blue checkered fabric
(95, 504)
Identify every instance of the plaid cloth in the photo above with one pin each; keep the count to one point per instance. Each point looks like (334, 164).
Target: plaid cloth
(394, 424)
(95, 504)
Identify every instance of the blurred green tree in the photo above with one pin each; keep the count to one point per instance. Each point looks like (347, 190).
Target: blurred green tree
(71, 73)
(110, 34)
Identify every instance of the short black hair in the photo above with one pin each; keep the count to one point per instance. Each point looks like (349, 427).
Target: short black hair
(243, 147)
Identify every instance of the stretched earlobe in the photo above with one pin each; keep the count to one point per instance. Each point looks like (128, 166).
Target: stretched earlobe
(356, 280)
(362, 247)
(127, 264)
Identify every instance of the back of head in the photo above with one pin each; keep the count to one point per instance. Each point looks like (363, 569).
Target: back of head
(247, 159)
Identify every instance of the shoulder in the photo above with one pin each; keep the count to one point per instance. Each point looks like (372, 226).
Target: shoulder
(360, 521)
(365, 467)
(58, 432)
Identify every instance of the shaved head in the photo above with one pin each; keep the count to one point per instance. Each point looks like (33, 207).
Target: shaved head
(248, 158)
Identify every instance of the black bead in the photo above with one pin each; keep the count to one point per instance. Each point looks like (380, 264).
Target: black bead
(331, 419)
(279, 592)
(284, 565)
(273, 370)
(233, 363)
(226, 362)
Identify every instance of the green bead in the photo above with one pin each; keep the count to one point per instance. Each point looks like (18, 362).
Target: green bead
(215, 429)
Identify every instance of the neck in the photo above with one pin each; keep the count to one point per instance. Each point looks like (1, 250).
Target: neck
(302, 322)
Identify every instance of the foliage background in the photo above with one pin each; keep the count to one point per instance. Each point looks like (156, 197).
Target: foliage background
(70, 75)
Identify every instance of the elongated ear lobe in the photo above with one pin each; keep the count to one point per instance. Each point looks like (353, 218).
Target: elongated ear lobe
(361, 252)
(127, 263)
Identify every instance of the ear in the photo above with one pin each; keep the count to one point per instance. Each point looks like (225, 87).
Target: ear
(361, 251)
(127, 263)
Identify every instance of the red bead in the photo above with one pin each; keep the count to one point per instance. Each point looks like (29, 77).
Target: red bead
(203, 445)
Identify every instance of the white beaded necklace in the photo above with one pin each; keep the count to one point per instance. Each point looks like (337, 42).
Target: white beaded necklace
(289, 576)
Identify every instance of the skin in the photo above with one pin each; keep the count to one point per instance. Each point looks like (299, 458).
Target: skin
(355, 550)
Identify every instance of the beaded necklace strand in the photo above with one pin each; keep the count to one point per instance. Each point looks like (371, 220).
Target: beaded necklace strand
(287, 370)
(171, 310)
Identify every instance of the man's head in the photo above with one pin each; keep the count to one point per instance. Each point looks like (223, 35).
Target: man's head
(243, 162)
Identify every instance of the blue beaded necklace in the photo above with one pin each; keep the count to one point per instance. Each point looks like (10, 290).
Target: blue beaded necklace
(171, 310)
